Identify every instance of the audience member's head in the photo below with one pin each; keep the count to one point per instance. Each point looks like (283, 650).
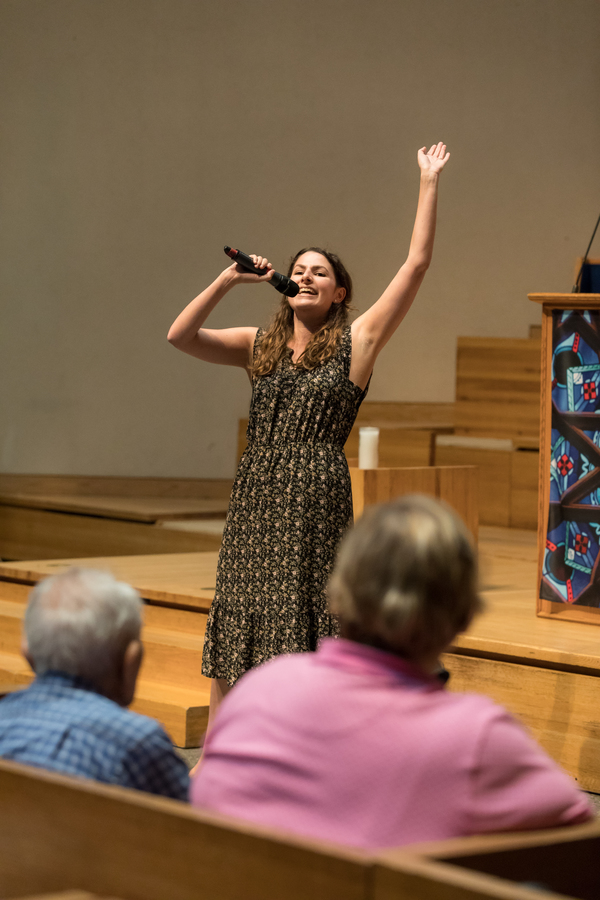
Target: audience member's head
(86, 624)
(406, 579)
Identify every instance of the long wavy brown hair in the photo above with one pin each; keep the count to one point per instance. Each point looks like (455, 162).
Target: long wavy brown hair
(323, 345)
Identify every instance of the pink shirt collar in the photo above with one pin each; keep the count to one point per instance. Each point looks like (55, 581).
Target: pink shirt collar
(341, 653)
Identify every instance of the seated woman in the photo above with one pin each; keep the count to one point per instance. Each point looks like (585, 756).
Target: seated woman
(359, 742)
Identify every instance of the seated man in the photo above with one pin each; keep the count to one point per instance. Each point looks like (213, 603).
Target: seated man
(82, 640)
(359, 742)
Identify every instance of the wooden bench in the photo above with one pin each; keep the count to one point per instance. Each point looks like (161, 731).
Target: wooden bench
(61, 833)
(556, 863)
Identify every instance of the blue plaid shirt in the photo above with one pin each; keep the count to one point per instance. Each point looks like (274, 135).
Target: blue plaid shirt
(59, 722)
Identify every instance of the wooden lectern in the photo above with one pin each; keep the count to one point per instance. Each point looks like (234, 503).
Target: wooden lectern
(569, 495)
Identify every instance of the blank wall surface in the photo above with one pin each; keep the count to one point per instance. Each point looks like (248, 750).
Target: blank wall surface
(139, 136)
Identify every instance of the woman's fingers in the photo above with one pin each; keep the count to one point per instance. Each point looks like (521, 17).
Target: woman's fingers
(437, 150)
(260, 261)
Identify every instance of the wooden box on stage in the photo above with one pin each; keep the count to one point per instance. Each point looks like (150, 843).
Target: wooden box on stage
(456, 485)
(569, 495)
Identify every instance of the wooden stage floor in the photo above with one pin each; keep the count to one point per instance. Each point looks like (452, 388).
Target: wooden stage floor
(546, 672)
(508, 574)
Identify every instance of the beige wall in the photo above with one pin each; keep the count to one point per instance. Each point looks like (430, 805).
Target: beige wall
(139, 136)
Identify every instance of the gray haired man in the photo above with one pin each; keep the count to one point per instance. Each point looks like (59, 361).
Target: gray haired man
(82, 640)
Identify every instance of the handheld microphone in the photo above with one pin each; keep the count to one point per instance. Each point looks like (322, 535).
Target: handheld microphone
(280, 282)
(577, 286)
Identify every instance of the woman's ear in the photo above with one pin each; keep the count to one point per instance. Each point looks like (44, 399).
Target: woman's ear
(339, 295)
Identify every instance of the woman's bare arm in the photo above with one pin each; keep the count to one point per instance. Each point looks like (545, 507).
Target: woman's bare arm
(226, 346)
(372, 330)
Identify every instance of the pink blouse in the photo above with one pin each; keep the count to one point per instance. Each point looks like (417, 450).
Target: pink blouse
(354, 745)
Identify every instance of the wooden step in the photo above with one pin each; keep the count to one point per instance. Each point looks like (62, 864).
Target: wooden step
(185, 620)
(171, 657)
(27, 533)
(183, 712)
(11, 619)
(171, 687)
(130, 509)
(14, 669)
(183, 580)
(116, 486)
(14, 591)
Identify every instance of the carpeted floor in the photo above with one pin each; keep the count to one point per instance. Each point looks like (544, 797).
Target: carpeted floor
(189, 755)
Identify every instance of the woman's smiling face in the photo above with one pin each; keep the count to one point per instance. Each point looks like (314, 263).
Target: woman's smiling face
(316, 280)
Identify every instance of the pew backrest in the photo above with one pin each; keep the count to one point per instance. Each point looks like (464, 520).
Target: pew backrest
(59, 833)
(64, 834)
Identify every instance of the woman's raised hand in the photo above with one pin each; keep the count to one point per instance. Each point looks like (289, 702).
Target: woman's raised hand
(433, 162)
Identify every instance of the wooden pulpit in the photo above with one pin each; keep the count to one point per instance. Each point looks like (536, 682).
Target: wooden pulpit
(569, 494)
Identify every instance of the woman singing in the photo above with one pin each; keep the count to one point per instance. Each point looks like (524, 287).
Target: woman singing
(291, 500)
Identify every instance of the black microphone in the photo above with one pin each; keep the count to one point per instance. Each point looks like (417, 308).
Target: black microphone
(280, 282)
(577, 286)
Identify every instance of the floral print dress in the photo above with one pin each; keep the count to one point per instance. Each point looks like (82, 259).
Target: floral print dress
(290, 505)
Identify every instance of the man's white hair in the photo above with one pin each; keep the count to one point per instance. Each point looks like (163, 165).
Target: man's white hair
(80, 622)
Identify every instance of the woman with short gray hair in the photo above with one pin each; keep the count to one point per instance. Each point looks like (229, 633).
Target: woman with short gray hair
(360, 743)
(406, 579)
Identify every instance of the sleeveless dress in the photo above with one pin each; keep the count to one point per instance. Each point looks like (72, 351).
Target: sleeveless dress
(290, 505)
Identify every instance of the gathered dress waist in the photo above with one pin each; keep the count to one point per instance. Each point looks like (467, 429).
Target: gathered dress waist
(257, 444)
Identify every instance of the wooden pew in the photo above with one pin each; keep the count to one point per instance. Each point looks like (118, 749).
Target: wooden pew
(404, 876)
(65, 834)
(561, 862)
(60, 833)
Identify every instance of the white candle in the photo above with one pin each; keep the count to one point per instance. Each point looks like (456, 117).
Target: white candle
(368, 448)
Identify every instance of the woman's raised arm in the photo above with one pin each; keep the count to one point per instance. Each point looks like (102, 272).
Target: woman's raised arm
(227, 346)
(372, 330)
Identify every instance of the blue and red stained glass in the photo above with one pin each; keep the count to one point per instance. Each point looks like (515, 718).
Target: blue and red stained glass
(571, 560)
